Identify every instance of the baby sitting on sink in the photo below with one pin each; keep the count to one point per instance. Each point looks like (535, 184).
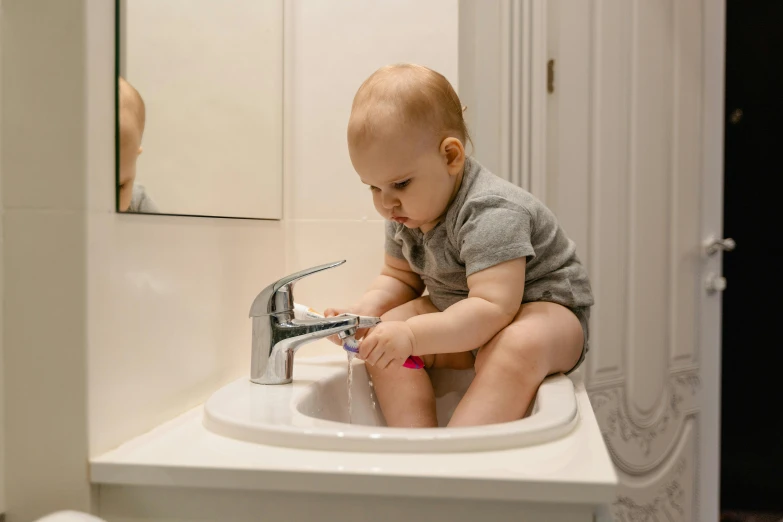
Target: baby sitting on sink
(507, 292)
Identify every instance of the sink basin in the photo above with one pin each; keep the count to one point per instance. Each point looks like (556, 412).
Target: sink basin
(327, 399)
(313, 413)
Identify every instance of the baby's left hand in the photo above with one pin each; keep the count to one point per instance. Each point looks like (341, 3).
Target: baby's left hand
(389, 343)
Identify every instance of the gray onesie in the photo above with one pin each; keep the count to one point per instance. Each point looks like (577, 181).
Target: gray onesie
(489, 222)
(141, 202)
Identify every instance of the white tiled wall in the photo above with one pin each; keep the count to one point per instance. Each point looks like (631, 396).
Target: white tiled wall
(334, 46)
(123, 321)
(44, 243)
(168, 296)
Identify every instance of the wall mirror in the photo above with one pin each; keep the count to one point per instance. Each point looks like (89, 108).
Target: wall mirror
(200, 108)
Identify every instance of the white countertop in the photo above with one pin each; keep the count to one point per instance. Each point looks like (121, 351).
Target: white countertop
(573, 469)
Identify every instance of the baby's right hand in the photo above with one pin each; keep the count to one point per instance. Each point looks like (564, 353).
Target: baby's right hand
(331, 312)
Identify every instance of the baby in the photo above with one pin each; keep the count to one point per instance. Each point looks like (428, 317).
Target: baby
(132, 115)
(507, 292)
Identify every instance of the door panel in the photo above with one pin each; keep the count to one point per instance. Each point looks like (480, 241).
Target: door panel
(645, 147)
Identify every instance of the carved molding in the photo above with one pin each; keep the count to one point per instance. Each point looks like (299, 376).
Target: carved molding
(639, 449)
(668, 501)
(666, 494)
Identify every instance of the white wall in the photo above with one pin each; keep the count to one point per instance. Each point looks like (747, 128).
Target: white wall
(44, 243)
(169, 297)
(213, 143)
(116, 323)
(333, 47)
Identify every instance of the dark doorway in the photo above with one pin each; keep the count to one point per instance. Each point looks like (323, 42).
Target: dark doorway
(752, 392)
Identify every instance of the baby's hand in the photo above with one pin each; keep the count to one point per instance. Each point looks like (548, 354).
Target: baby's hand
(331, 312)
(389, 343)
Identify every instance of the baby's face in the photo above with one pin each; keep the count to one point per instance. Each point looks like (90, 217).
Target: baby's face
(130, 149)
(412, 177)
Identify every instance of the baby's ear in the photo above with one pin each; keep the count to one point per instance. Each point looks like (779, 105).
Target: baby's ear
(454, 152)
(141, 149)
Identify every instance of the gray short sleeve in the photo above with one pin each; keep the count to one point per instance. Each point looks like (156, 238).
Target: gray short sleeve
(491, 230)
(393, 245)
(141, 202)
(491, 221)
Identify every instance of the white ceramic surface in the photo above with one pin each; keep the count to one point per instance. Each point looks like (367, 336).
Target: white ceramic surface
(312, 413)
(182, 453)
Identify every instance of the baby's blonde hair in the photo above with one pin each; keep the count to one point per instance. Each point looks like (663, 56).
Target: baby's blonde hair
(406, 94)
(131, 105)
(132, 118)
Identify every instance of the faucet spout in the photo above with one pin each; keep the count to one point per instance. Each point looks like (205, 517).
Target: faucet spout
(300, 331)
(277, 334)
(276, 338)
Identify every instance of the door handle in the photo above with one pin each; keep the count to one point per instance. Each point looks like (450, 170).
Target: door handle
(714, 283)
(712, 245)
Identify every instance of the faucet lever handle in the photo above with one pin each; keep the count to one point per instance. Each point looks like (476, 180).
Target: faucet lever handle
(279, 296)
(291, 279)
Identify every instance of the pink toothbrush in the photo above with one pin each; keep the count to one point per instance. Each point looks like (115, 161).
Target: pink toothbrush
(414, 362)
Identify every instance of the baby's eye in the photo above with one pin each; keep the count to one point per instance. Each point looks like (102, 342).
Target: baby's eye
(402, 184)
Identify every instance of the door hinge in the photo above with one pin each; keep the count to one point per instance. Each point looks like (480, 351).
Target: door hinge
(550, 76)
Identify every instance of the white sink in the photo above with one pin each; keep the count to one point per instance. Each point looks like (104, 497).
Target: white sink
(312, 413)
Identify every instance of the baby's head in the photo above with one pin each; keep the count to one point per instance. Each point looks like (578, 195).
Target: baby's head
(406, 139)
(132, 118)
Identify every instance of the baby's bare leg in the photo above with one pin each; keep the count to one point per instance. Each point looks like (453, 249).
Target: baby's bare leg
(543, 339)
(406, 396)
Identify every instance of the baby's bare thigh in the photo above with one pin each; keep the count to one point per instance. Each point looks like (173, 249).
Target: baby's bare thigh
(406, 396)
(544, 337)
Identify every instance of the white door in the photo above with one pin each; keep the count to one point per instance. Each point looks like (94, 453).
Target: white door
(634, 171)
(624, 143)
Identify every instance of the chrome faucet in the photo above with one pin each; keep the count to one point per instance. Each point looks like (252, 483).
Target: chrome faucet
(277, 334)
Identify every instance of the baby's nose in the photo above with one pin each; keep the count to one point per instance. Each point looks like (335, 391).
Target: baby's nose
(388, 201)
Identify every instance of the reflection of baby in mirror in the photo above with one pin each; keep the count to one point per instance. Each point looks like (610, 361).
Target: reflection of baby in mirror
(132, 114)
